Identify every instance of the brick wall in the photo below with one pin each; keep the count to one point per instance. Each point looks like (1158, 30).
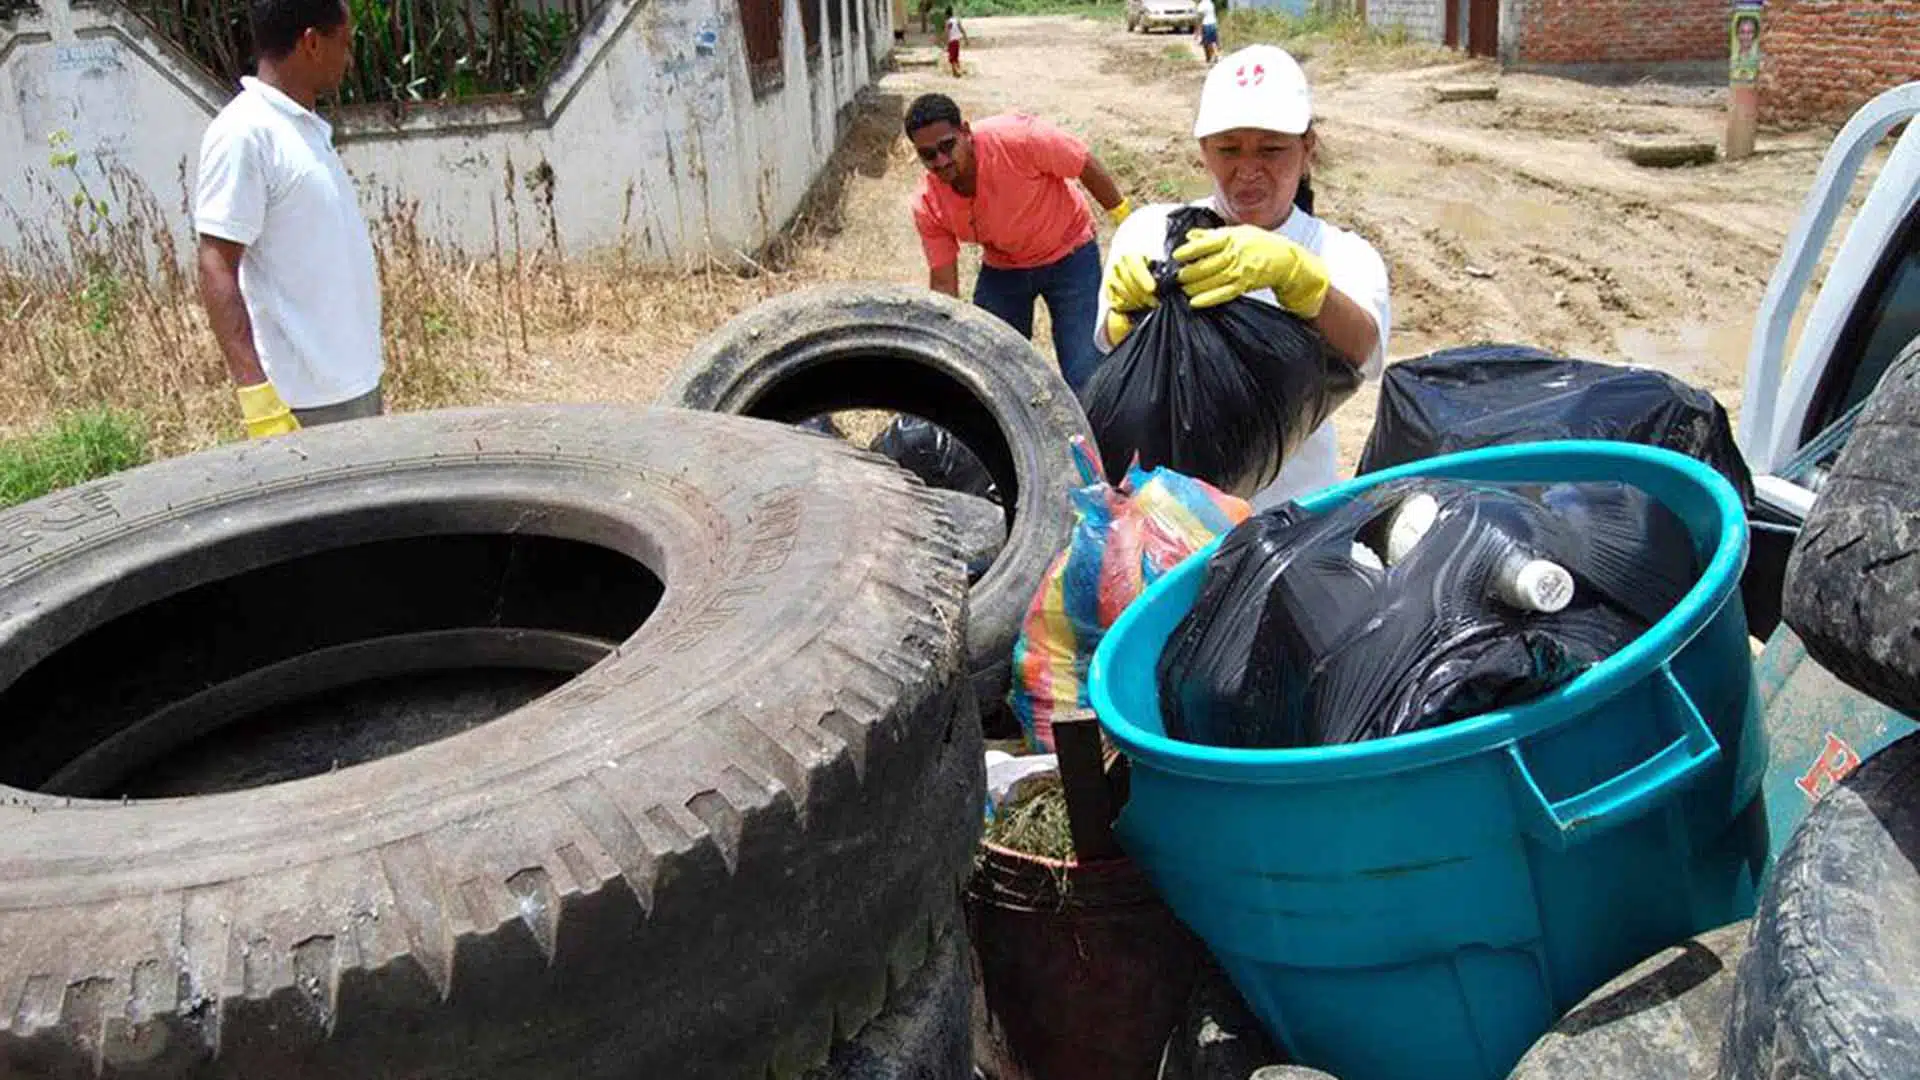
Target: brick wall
(1423, 19)
(1620, 31)
(1822, 59)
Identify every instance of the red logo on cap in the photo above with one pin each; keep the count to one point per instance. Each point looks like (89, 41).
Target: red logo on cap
(1258, 76)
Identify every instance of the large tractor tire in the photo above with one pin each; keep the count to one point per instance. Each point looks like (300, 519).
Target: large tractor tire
(583, 742)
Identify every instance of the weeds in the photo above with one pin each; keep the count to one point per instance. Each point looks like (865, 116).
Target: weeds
(77, 447)
(1039, 825)
(98, 309)
(1173, 174)
(1090, 9)
(1337, 38)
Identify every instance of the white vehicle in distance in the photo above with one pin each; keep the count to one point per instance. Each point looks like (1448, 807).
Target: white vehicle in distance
(1163, 14)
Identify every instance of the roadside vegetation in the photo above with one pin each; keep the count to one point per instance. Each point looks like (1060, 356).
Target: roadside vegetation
(75, 447)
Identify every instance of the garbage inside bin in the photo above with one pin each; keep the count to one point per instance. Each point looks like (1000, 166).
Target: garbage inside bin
(1467, 598)
(1224, 394)
(1475, 881)
(1125, 538)
(1491, 395)
(932, 453)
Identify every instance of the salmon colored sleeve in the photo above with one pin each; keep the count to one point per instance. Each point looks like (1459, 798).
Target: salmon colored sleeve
(939, 243)
(1052, 150)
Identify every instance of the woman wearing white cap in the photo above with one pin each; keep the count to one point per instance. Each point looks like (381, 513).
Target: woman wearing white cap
(1255, 128)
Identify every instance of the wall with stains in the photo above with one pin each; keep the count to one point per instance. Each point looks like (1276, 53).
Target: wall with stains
(652, 136)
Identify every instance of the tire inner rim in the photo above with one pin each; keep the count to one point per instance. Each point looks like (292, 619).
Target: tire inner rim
(316, 663)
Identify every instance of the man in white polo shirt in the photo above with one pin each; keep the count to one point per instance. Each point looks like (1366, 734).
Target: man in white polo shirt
(287, 270)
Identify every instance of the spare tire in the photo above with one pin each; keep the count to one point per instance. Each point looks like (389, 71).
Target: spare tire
(915, 351)
(1853, 581)
(1830, 985)
(736, 801)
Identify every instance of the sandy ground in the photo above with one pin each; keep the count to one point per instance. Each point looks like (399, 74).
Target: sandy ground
(1508, 220)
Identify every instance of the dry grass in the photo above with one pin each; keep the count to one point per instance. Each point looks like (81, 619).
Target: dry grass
(1331, 42)
(1038, 825)
(98, 308)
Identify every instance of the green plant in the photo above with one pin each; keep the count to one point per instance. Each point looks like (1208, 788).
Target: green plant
(1329, 33)
(1092, 9)
(99, 295)
(78, 446)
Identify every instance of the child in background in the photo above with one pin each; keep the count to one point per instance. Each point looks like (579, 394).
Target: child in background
(955, 35)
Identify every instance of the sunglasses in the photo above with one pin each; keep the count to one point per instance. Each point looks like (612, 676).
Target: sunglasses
(943, 148)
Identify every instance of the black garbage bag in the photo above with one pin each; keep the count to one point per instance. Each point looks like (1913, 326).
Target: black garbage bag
(931, 452)
(1491, 395)
(821, 425)
(1295, 642)
(1225, 394)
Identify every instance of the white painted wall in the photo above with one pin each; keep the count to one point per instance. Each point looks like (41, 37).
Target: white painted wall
(1425, 20)
(652, 130)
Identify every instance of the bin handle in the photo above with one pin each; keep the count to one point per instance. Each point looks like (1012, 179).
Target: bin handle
(1619, 799)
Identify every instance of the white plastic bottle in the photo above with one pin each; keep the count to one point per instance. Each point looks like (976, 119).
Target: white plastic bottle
(1522, 581)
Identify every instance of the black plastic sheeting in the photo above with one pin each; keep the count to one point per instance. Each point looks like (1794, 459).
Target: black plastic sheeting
(1224, 394)
(1491, 395)
(932, 453)
(1294, 643)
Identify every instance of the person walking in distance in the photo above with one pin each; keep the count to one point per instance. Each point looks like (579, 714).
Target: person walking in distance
(1006, 183)
(1209, 30)
(287, 271)
(955, 35)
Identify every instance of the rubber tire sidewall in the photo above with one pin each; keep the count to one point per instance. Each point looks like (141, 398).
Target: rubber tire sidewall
(1852, 588)
(1830, 986)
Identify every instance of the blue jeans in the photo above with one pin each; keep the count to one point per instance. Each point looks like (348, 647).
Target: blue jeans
(1071, 288)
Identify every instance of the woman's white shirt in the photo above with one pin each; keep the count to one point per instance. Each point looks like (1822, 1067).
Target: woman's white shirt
(1353, 266)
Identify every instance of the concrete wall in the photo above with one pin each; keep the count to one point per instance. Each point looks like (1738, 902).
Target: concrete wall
(1549, 32)
(1822, 59)
(652, 134)
(1425, 20)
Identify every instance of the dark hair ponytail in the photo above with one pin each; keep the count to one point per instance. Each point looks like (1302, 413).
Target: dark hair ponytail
(1303, 195)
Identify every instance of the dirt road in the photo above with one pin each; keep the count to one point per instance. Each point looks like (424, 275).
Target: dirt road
(1506, 220)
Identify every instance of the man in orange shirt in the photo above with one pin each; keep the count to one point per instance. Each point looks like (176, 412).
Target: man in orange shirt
(1006, 184)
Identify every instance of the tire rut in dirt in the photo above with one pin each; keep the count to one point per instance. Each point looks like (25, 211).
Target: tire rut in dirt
(715, 847)
(912, 350)
(1830, 984)
(1853, 579)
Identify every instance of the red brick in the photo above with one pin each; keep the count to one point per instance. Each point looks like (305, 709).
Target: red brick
(1621, 31)
(1825, 58)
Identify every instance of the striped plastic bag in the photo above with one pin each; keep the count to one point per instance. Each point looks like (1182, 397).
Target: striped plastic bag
(1126, 538)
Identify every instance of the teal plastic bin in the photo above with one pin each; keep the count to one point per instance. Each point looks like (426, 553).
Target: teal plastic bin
(1423, 907)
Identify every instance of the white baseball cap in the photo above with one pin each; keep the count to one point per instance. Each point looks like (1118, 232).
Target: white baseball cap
(1260, 86)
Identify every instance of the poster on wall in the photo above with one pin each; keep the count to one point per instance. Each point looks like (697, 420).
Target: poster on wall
(1744, 38)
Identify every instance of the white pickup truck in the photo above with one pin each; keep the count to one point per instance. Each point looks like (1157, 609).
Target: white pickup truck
(1796, 411)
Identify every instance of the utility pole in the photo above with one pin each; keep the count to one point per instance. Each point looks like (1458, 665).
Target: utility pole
(1743, 78)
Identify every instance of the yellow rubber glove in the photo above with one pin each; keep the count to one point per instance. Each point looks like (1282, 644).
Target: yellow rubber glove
(1118, 215)
(265, 414)
(1129, 288)
(1222, 264)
